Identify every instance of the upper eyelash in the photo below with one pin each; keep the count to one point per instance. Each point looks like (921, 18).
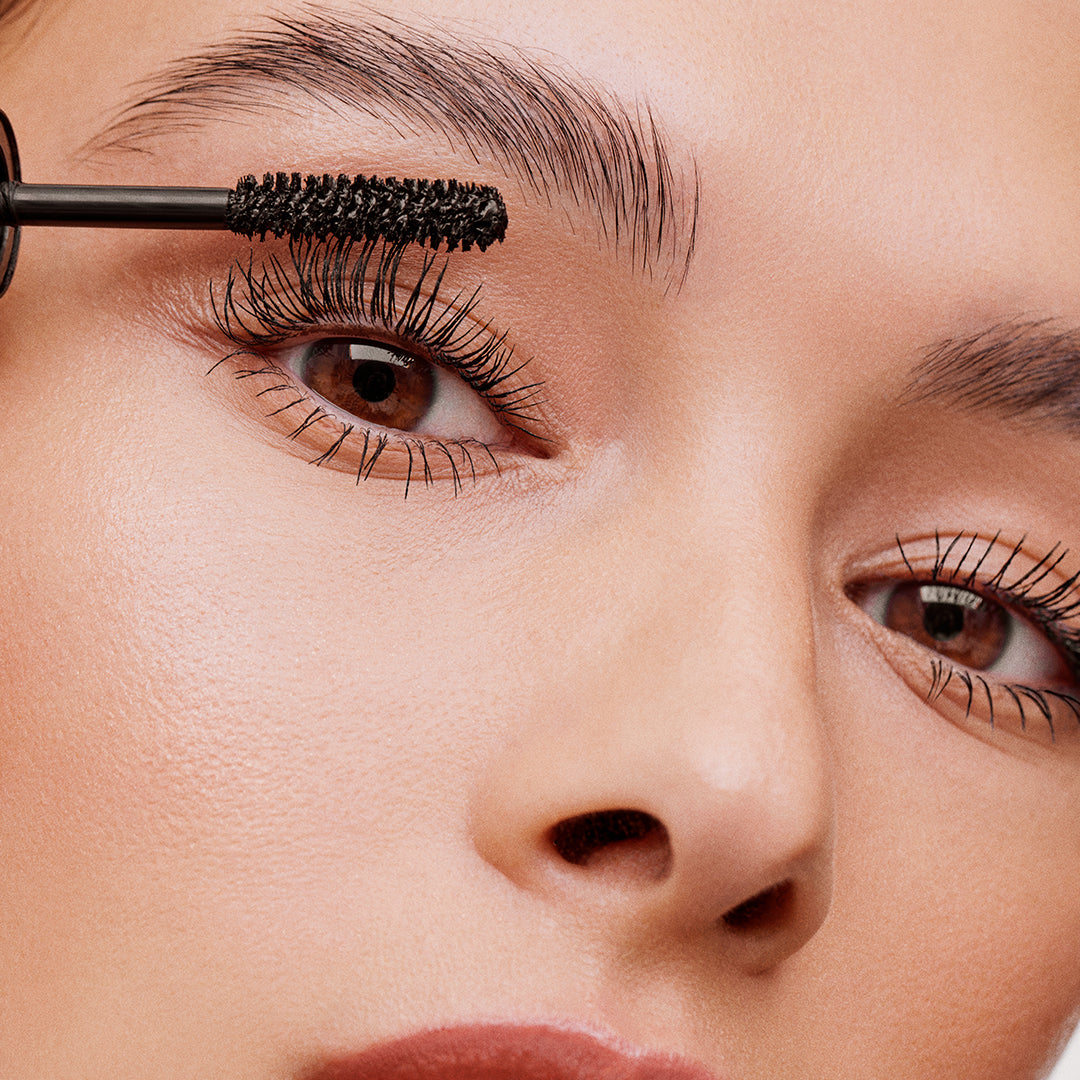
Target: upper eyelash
(1056, 605)
(1048, 609)
(355, 284)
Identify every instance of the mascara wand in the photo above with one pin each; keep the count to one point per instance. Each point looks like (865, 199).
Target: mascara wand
(281, 204)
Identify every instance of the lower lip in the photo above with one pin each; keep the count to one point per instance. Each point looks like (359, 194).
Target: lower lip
(506, 1052)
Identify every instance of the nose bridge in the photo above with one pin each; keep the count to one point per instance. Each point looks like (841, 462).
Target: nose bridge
(699, 714)
(711, 657)
(714, 700)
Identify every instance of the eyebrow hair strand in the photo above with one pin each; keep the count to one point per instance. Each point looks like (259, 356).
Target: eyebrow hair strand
(556, 132)
(1025, 370)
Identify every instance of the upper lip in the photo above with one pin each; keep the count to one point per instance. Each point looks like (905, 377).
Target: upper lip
(507, 1052)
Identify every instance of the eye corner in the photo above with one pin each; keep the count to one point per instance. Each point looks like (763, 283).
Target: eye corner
(870, 595)
(856, 591)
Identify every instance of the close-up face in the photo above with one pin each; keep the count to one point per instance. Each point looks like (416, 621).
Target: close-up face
(647, 645)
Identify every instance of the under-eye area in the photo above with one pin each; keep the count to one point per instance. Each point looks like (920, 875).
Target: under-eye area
(364, 359)
(984, 632)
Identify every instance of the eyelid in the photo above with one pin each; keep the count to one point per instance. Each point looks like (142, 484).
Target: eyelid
(991, 560)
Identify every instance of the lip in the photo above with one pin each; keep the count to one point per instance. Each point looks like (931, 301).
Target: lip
(507, 1052)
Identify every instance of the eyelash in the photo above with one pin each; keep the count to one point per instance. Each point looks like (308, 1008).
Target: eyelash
(1048, 610)
(355, 285)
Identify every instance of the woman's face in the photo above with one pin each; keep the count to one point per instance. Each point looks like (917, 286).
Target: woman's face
(699, 694)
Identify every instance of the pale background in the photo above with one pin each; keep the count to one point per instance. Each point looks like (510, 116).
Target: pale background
(1068, 1068)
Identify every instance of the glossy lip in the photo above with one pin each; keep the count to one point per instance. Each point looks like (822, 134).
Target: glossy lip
(507, 1052)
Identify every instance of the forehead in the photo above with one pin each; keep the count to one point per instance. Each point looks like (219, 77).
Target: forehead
(1002, 62)
(800, 84)
(926, 149)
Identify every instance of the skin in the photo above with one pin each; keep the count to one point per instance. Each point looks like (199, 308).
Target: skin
(281, 754)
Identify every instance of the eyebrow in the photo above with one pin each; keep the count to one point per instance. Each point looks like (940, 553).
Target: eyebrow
(10, 9)
(16, 12)
(559, 134)
(1015, 370)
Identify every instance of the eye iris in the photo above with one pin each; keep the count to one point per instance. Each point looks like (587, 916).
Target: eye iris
(369, 380)
(955, 622)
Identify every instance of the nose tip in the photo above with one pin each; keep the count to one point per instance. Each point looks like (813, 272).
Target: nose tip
(657, 847)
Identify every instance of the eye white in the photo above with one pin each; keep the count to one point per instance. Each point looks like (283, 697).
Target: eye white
(459, 412)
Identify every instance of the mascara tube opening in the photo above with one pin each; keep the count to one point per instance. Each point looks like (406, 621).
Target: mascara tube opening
(9, 173)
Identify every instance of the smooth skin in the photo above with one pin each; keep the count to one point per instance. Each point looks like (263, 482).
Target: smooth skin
(281, 754)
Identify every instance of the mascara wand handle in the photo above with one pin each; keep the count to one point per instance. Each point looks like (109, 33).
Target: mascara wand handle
(113, 207)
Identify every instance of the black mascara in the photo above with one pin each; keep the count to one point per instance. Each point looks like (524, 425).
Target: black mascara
(281, 204)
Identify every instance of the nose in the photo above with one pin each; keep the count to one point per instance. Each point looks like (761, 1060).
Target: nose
(676, 783)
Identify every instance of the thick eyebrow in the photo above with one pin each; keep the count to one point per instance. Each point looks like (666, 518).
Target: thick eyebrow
(556, 132)
(1016, 370)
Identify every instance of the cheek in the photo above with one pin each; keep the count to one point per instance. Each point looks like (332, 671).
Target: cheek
(955, 917)
(226, 728)
(190, 695)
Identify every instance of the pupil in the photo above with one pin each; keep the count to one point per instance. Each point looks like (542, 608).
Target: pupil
(374, 381)
(943, 621)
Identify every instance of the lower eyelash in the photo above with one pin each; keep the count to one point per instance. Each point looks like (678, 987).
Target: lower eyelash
(414, 462)
(1041, 699)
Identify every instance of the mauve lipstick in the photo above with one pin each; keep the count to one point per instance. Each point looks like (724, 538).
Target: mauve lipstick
(505, 1052)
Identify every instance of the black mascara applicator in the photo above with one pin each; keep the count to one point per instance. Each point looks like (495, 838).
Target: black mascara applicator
(281, 204)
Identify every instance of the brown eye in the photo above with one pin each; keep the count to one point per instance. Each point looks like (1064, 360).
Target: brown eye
(378, 384)
(965, 628)
(957, 623)
(371, 381)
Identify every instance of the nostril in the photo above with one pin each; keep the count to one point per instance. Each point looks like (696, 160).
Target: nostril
(763, 910)
(578, 839)
(606, 839)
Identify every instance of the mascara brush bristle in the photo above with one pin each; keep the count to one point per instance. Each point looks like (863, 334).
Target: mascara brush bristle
(368, 208)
